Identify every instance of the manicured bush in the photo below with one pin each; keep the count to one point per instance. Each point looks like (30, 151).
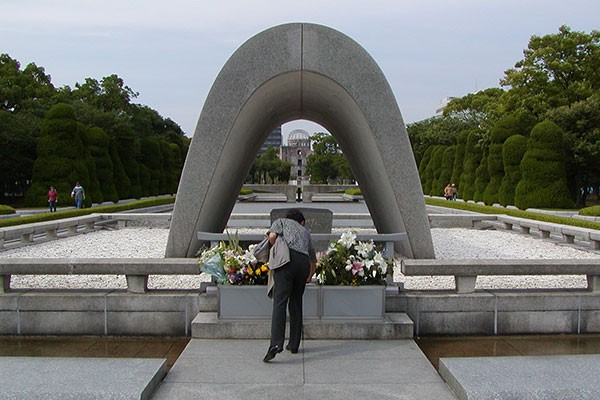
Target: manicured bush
(544, 178)
(502, 130)
(423, 166)
(433, 170)
(93, 193)
(98, 145)
(122, 182)
(459, 157)
(482, 178)
(60, 158)
(472, 159)
(446, 167)
(513, 150)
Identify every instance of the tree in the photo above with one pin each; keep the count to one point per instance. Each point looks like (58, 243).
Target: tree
(544, 176)
(557, 70)
(478, 110)
(327, 162)
(581, 123)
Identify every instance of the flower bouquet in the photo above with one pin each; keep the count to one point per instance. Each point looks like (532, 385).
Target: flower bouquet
(228, 263)
(348, 262)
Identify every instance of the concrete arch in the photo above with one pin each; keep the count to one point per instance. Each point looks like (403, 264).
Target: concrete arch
(300, 71)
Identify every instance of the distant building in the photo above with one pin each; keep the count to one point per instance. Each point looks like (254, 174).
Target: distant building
(439, 110)
(273, 140)
(296, 152)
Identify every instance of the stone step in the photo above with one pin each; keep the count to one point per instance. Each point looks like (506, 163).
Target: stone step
(207, 325)
(50, 378)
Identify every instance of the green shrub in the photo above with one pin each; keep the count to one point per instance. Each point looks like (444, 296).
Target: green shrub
(593, 211)
(245, 192)
(446, 167)
(544, 177)
(60, 158)
(423, 166)
(459, 205)
(4, 210)
(432, 172)
(353, 192)
(98, 141)
(482, 178)
(86, 211)
(472, 160)
(459, 157)
(502, 130)
(513, 150)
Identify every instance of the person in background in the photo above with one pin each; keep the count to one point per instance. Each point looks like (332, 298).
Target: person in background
(78, 193)
(290, 281)
(52, 198)
(453, 191)
(448, 192)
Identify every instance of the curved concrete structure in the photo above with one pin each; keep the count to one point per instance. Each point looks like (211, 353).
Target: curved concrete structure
(289, 72)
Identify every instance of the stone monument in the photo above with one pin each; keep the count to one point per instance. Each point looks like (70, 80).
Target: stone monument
(300, 71)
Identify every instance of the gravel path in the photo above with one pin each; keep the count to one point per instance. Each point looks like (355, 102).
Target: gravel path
(151, 243)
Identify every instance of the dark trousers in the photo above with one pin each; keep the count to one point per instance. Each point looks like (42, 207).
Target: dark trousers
(290, 281)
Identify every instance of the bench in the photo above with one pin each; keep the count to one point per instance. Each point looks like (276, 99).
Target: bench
(136, 270)
(465, 272)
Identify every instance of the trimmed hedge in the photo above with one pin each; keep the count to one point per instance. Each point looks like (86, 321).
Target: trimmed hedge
(447, 167)
(593, 211)
(60, 158)
(471, 162)
(544, 176)
(514, 213)
(513, 150)
(5, 210)
(353, 192)
(132, 205)
(482, 178)
(459, 157)
(502, 130)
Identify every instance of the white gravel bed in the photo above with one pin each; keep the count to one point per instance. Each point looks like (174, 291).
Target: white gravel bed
(151, 243)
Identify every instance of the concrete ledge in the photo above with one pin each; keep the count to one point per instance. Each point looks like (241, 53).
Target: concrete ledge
(394, 326)
(531, 377)
(465, 271)
(80, 378)
(100, 312)
(136, 270)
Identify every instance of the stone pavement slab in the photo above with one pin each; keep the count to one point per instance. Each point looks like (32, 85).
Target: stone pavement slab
(523, 377)
(322, 369)
(51, 378)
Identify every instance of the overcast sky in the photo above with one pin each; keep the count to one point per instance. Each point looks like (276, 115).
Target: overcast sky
(171, 51)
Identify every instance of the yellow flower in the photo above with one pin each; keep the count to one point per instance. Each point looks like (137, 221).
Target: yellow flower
(250, 272)
(264, 268)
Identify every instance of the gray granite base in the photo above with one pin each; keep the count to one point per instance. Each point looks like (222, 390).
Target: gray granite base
(51, 378)
(528, 377)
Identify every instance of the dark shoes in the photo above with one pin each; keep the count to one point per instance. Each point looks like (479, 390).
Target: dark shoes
(272, 352)
(293, 351)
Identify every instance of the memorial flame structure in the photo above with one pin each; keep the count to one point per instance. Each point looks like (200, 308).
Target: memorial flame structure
(300, 71)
